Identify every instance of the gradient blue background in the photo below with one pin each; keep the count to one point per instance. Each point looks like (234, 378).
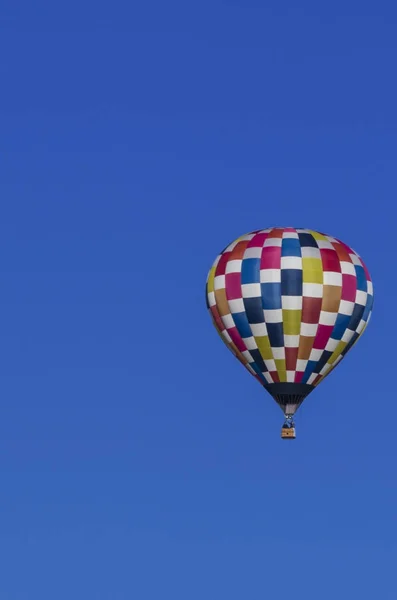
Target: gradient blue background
(138, 459)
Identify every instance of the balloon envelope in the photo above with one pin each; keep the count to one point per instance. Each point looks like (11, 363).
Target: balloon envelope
(289, 303)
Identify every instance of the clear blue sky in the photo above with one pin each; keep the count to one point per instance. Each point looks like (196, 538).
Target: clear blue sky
(138, 459)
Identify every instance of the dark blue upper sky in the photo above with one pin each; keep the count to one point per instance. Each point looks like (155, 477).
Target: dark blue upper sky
(138, 459)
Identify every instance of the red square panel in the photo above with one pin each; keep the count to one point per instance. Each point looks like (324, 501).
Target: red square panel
(221, 266)
(330, 260)
(291, 356)
(258, 240)
(322, 336)
(349, 287)
(217, 318)
(271, 257)
(311, 308)
(274, 376)
(299, 376)
(236, 337)
(233, 286)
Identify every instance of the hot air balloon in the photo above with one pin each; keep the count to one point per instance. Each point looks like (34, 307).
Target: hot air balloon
(289, 303)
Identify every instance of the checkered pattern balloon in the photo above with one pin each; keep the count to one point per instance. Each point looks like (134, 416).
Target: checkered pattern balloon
(289, 303)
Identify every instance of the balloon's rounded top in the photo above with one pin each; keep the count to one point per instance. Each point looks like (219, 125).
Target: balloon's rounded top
(289, 303)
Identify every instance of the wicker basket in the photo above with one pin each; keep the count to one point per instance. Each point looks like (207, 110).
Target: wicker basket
(288, 433)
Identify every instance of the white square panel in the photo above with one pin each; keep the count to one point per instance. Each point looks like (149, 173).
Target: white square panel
(220, 282)
(228, 321)
(226, 336)
(325, 369)
(312, 378)
(315, 354)
(310, 252)
(273, 316)
(211, 298)
(270, 276)
(347, 268)
(361, 327)
(332, 278)
(278, 353)
(272, 242)
(325, 245)
(309, 329)
(290, 376)
(347, 336)
(313, 290)
(247, 355)
(271, 365)
(291, 302)
(233, 266)
(327, 318)
(361, 297)
(301, 365)
(259, 329)
(346, 307)
(291, 341)
(236, 305)
(291, 262)
(356, 259)
(331, 345)
(251, 290)
(254, 252)
(250, 343)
